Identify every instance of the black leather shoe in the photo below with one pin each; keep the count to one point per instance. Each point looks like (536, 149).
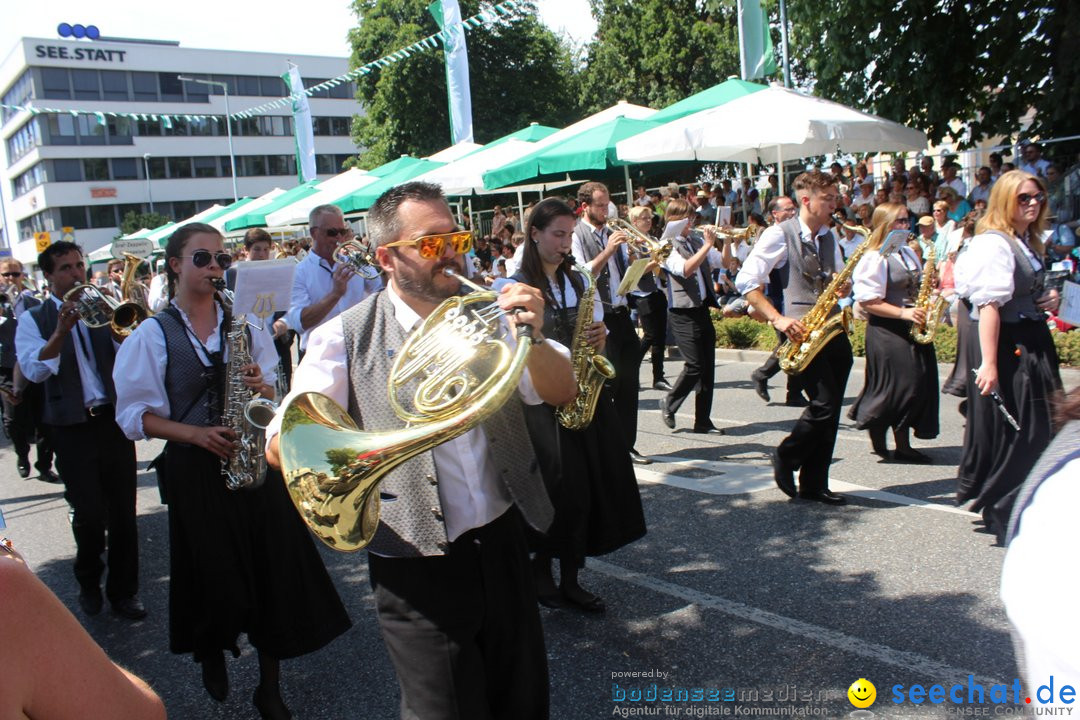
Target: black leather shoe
(639, 459)
(761, 385)
(270, 705)
(130, 608)
(214, 677)
(783, 474)
(796, 401)
(709, 429)
(49, 476)
(669, 417)
(662, 384)
(23, 464)
(824, 496)
(911, 456)
(91, 601)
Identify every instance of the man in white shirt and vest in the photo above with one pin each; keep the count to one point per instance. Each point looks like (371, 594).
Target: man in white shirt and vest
(448, 562)
(322, 288)
(96, 462)
(605, 254)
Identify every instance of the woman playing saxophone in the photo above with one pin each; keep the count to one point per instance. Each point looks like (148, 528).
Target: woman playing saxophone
(240, 562)
(901, 388)
(587, 469)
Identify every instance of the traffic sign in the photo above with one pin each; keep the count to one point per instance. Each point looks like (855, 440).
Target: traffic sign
(68, 234)
(140, 247)
(42, 241)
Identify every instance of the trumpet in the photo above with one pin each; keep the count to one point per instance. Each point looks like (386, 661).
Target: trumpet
(857, 229)
(648, 248)
(746, 234)
(97, 309)
(359, 257)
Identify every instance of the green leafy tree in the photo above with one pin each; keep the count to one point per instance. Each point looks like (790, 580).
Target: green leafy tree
(520, 73)
(956, 70)
(339, 459)
(134, 221)
(657, 52)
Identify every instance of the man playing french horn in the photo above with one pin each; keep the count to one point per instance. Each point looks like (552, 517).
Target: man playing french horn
(449, 566)
(808, 254)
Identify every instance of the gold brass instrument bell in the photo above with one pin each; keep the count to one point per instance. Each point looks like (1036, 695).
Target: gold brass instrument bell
(96, 309)
(360, 257)
(453, 372)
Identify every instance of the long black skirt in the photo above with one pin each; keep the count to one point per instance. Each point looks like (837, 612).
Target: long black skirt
(242, 561)
(590, 479)
(901, 386)
(997, 458)
(956, 383)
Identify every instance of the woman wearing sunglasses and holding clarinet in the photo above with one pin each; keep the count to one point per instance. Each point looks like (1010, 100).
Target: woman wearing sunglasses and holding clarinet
(241, 560)
(1001, 274)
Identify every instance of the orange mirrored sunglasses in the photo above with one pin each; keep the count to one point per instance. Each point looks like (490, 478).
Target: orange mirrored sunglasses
(432, 246)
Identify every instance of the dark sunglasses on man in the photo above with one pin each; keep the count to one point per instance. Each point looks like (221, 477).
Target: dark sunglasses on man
(338, 232)
(202, 258)
(13, 274)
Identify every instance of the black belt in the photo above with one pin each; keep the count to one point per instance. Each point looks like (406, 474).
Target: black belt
(619, 310)
(99, 410)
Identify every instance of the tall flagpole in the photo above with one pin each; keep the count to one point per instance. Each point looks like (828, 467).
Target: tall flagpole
(783, 44)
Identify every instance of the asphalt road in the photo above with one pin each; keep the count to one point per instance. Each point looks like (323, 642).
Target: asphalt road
(760, 604)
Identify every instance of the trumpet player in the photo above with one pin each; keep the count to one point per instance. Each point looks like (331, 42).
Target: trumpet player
(690, 290)
(806, 252)
(650, 303)
(901, 388)
(449, 566)
(96, 462)
(241, 561)
(21, 400)
(323, 288)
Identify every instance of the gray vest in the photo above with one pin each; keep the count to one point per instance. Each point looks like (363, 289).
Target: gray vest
(684, 292)
(190, 402)
(806, 272)
(63, 391)
(7, 329)
(1027, 285)
(411, 520)
(1062, 450)
(902, 285)
(591, 247)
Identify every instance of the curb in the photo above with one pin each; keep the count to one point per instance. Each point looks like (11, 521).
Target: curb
(1070, 377)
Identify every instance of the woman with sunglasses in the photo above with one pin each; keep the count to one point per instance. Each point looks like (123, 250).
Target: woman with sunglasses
(240, 560)
(1001, 274)
(901, 390)
(588, 472)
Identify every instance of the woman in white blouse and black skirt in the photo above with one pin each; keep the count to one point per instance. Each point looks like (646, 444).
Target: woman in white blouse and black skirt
(901, 388)
(241, 561)
(1001, 274)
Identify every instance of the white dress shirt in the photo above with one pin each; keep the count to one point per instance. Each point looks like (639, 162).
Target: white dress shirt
(984, 272)
(676, 265)
(158, 294)
(313, 280)
(567, 297)
(139, 370)
(980, 192)
(470, 492)
(614, 276)
(28, 346)
(956, 184)
(770, 252)
(871, 274)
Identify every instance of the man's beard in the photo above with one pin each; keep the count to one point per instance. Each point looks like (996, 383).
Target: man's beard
(421, 282)
(593, 219)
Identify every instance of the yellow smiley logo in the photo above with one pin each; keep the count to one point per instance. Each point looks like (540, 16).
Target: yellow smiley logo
(862, 693)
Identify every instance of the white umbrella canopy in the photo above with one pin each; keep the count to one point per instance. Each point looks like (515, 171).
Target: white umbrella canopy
(454, 152)
(266, 199)
(466, 176)
(329, 190)
(769, 126)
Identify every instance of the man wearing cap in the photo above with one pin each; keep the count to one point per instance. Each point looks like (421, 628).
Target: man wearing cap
(705, 208)
(928, 235)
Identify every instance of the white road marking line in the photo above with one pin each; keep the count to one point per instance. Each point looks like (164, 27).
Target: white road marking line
(938, 671)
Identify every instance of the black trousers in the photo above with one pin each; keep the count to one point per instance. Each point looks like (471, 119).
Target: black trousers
(809, 447)
(97, 465)
(696, 337)
(652, 313)
(283, 345)
(771, 367)
(22, 423)
(623, 351)
(463, 629)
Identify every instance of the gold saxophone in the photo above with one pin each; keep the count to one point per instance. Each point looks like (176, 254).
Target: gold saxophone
(934, 305)
(590, 368)
(820, 327)
(459, 371)
(244, 412)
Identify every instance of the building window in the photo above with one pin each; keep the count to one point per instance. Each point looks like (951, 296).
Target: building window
(24, 140)
(145, 86)
(272, 87)
(172, 89)
(229, 80)
(125, 169)
(29, 180)
(114, 84)
(206, 167)
(183, 209)
(197, 92)
(226, 166)
(86, 83)
(18, 94)
(73, 217)
(102, 216)
(340, 126)
(62, 130)
(247, 85)
(179, 167)
(157, 168)
(91, 132)
(96, 169)
(67, 171)
(120, 130)
(55, 83)
(179, 128)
